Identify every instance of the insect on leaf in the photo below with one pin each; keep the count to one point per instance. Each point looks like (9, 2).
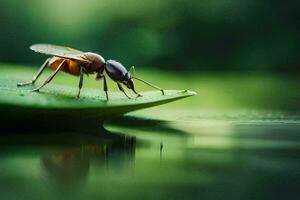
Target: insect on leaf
(59, 100)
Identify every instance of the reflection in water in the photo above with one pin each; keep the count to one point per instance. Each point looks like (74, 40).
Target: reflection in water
(152, 159)
(63, 167)
(160, 152)
(70, 166)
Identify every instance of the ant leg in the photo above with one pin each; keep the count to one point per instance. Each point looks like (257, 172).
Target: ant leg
(105, 87)
(80, 81)
(121, 89)
(49, 78)
(44, 65)
(138, 94)
(151, 85)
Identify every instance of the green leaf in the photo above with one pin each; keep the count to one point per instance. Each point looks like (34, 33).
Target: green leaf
(58, 101)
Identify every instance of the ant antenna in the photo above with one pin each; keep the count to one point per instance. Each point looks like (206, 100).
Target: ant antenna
(154, 86)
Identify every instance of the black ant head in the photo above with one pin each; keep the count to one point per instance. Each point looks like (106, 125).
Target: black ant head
(117, 72)
(128, 81)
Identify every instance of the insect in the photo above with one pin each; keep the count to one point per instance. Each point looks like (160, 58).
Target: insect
(78, 63)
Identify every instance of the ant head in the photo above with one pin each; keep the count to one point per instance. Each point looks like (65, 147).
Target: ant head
(117, 72)
(128, 81)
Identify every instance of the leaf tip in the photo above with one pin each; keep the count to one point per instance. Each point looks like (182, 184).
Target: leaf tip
(188, 92)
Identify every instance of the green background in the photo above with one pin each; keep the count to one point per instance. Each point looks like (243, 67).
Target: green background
(170, 34)
(238, 138)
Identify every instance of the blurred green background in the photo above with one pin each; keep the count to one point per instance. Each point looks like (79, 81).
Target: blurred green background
(237, 139)
(170, 34)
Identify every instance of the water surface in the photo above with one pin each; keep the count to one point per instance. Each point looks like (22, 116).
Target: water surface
(205, 155)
